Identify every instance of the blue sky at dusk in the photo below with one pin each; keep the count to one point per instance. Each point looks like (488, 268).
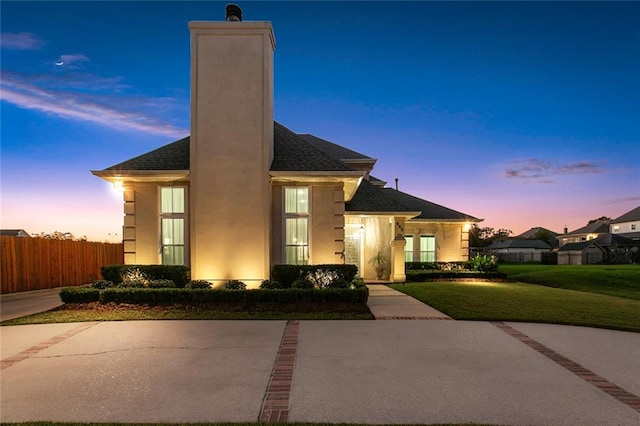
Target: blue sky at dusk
(524, 114)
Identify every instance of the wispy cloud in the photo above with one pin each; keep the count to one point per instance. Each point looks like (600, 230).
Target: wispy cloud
(117, 112)
(71, 60)
(542, 171)
(21, 41)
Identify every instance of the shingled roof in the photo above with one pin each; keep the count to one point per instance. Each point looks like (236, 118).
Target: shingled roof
(630, 216)
(429, 210)
(373, 198)
(596, 227)
(332, 149)
(290, 153)
(517, 243)
(173, 156)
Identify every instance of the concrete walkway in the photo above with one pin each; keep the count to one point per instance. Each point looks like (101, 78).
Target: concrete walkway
(402, 372)
(410, 372)
(386, 303)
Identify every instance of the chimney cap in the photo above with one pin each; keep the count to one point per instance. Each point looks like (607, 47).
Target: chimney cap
(233, 12)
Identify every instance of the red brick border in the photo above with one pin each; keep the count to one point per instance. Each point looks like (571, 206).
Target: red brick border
(27, 353)
(587, 375)
(275, 405)
(416, 318)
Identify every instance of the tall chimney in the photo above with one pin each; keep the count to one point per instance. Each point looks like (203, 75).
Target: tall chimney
(396, 184)
(231, 148)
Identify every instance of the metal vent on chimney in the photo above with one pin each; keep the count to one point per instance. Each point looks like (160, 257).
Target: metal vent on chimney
(234, 13)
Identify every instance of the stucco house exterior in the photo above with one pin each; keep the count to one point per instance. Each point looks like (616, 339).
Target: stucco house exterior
(583, 253)
(243, 192)
(586, 233)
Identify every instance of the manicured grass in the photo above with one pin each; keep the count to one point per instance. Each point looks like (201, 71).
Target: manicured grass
(222, 424)
(159, 313)
(500, 301)
(613, 280)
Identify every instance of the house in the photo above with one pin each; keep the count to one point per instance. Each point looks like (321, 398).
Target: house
(539, 232)
(518, 250)
(243, 193)
(582, 253)
(586, 233)
(627, 225)
(15, 233)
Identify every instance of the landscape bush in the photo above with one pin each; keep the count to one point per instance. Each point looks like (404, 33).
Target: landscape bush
(235, 285)
(198, 284)
(286, 275)
(161, 284)
(419, 276)
(179, 274)
(269, 284)
(79, 294)
(102, 284)
(436, 266)
(484, 263)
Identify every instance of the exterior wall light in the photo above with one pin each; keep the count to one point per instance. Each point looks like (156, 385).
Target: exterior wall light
(118, 186)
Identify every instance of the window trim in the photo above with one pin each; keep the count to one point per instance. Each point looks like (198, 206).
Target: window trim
(184, 215)
(435, 251)
(412, 251)
(286, 216)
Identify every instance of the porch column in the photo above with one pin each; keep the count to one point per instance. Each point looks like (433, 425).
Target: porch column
(397, 252)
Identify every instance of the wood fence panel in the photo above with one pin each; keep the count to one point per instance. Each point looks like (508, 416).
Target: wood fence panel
(36, 263)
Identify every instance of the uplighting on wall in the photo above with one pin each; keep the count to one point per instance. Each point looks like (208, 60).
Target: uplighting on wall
(118, 186)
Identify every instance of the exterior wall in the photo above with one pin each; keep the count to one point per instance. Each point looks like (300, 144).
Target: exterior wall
(141, 224)
(231, 150)
(326, 239)
(576, 238)
(590, 255)
(625, 228)
(452, 243)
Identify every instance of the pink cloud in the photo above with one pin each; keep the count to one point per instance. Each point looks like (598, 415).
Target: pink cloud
(541, 171)
(21, 41)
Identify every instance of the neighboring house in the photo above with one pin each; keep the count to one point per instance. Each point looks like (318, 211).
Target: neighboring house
(518, 250)
(627, 225)
(243, 193)
(584, 253)
(15, 233)
(538, 231)
(586, 233)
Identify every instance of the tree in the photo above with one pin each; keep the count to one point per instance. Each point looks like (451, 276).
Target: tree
(57, 235)
(600, 219)
(546, 236)
(482, 237)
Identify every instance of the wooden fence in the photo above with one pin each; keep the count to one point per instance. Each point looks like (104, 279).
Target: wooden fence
(36, 263)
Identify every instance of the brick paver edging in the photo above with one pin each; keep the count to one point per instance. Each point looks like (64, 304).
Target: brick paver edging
(587, 375)
(416, 318)
(275, 405)
(27, 353)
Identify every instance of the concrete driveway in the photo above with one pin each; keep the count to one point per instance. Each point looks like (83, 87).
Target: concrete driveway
(402, 371)
(15, 305)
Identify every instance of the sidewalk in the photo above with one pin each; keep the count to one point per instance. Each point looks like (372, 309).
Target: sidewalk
(386, 303)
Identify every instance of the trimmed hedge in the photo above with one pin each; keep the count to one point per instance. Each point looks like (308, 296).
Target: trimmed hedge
(283, 300)
(179, 274)
(436, 266)
(419, 276)
(286, 275)
(79, 295)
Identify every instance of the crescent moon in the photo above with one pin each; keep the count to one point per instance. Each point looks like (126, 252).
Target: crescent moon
(59, 63)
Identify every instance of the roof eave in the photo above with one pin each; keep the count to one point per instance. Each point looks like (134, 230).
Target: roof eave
(461, 220)
(407, 215)
(142, 175)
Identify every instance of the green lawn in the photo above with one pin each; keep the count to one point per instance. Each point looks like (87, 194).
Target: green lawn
(499, 301)
(613, 280)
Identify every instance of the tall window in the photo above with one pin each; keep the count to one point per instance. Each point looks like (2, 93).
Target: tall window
(427, 248)
(172, 224)
(296, 212)
(408, 248)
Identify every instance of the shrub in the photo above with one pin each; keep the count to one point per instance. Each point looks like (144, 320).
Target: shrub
(101, 284)
(269, 284)
(132, 284)
(161, 284)
(134, 277)
(235, 285)
(483, 263)
(79, 294)
(200, 284)
(286, 275)
(179, 274)
(302, 283)
(435, 266)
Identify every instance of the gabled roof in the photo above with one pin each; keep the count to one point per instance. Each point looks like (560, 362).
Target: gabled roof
(173, 156)
(332, 149)
(429, 210)
(15, 233)
(611, 239)
(513, 243)
(632, 216)
(531, 233)
(291, 153)
(579, 246)
(372, 198)
(597, 227)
